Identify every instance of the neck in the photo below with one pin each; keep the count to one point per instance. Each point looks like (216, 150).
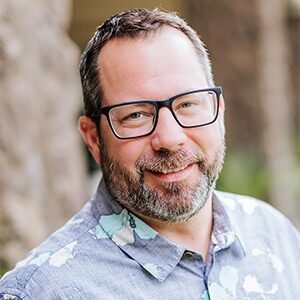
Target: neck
(194, 235)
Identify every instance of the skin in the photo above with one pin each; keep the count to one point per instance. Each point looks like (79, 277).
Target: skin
(157, 67)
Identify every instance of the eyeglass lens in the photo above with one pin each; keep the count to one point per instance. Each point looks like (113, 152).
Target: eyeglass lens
(190, 110)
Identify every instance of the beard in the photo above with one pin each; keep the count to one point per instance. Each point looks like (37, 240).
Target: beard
(173, 201)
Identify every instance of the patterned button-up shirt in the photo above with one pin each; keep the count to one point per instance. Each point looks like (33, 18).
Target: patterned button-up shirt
(106, 252)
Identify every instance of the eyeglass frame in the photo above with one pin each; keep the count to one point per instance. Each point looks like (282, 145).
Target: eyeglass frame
(158, 104)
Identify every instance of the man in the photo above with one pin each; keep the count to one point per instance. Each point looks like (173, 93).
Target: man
(156, 228)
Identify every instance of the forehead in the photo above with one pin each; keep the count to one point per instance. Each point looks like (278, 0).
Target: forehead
(155, 66)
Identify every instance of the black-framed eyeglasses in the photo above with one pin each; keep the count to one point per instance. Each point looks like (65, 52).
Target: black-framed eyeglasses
(139, 118)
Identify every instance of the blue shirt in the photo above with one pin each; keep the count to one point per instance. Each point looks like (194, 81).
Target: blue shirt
(106, 252)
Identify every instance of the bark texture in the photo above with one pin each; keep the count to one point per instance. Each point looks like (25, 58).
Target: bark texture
(276, 103)
(42, 165)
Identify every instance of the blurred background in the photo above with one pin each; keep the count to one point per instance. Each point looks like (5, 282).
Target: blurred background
(46, 172)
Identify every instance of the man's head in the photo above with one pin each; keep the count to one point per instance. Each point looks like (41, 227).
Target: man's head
(167, 165)
(136, 23)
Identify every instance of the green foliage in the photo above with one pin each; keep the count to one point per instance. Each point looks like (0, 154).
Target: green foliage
(4, 266)
(296, 146)
(244, 174)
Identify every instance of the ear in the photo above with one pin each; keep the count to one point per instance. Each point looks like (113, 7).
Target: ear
(221, 107)
(222, 104)
(89, 134)
(221, 113)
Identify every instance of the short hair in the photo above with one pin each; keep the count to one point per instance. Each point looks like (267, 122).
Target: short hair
(132, 24)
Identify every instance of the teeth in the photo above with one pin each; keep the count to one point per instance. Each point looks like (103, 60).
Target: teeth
(173, 170)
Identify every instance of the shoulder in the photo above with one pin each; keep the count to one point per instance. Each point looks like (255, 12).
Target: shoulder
(271, 242)
(43, 271)
(258, 219)
(242, 205)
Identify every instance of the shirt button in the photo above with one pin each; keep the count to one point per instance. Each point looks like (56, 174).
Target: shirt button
(188, 254)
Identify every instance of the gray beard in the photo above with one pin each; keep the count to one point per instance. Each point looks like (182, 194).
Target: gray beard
(178, 201)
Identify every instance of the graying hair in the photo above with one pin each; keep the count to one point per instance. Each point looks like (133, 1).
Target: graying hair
(132, 24)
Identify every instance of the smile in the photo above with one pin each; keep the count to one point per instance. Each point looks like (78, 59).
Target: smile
(173, 170)
(173, 175)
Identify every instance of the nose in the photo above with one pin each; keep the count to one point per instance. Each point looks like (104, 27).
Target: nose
(168, 134)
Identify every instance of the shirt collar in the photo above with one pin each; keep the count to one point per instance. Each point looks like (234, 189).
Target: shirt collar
(225, 231)
(156, 254)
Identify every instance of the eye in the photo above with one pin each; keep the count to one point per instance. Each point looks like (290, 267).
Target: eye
(186, 104)
(135, 115)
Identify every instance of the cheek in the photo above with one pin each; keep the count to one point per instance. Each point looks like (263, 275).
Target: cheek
(125, 152)
(209, 139)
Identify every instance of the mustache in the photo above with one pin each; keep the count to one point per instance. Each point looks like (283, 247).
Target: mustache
(169, 160)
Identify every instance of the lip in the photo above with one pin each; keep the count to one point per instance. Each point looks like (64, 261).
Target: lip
(171, 176)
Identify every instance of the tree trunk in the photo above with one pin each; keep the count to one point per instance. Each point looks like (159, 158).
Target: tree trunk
(275, 100)
(42, 167)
